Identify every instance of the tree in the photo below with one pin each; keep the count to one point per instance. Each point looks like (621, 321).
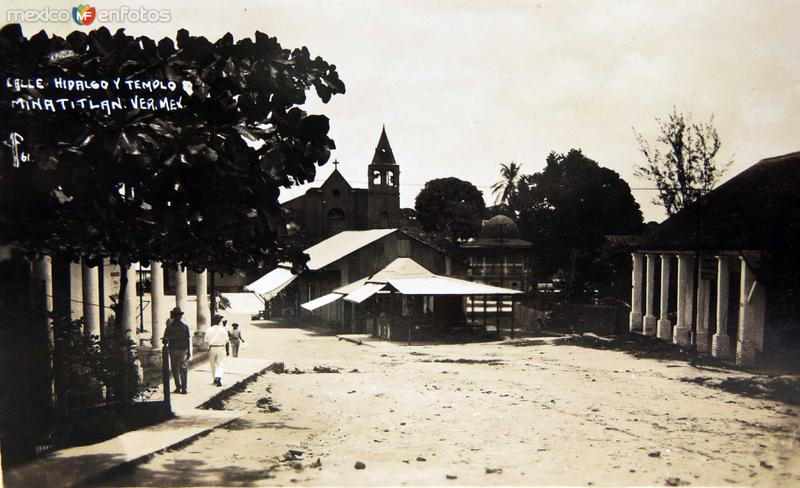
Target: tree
(567, 210)
(196, 186)
(451, 208)
(509, 174)
(681, 163)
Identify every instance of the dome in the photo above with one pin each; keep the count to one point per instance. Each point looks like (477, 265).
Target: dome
(499, 227)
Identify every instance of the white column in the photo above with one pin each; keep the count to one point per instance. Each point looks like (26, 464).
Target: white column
(683, 325)
(158, 314)
(752, 306)
(203, 310)
(701, 320)
(181, 289)
(721, 343)
(75, 291)
(664, 325)
(649, 328)
(635, 324)
(43, 271)
(758, 304)
(91, 300)
(128, 313)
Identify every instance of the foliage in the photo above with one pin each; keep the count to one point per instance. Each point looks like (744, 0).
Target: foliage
(197, 186)
(681, 163)
(451, 208)
(503, 189)
(566, 211)
(90, 361)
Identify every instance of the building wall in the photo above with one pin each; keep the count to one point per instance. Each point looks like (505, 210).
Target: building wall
(507, 269)
(364, 262)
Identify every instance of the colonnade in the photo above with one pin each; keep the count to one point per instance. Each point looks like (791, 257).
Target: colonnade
(86, 297)
(693, 304)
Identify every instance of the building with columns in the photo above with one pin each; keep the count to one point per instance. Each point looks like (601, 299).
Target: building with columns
(717, 276)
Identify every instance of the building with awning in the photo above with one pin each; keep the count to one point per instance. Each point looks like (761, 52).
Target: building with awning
(337, 261)
(404, 297)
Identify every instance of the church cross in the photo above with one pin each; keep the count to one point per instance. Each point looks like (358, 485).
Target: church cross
(335, 164)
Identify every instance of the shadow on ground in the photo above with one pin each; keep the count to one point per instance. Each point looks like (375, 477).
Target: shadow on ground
(244, 424)
(783, 389)
(67, 471)
(782, 384)
(186, 473)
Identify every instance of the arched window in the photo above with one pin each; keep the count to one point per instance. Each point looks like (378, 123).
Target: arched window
(390, 180)
(336, 221)
(377, 178)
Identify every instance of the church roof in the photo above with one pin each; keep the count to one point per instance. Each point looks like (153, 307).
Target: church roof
(383, 151)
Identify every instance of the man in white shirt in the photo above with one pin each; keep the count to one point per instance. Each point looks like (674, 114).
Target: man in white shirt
(216, 338)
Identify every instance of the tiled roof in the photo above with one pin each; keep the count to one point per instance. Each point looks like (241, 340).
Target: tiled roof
(752, 211)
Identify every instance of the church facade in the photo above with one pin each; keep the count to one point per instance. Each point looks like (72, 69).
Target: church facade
(336, 206)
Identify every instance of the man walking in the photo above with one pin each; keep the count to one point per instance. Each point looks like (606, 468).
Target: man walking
(177, 337)
(216, 337)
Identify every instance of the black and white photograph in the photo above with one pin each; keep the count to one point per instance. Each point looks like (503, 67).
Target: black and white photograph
(399, 243)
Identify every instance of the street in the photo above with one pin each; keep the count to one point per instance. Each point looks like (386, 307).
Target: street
(513, 413)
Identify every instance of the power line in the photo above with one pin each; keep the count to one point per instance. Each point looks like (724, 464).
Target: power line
(638, 188)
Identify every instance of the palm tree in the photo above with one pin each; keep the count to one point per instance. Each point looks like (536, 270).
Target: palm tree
(505, 187)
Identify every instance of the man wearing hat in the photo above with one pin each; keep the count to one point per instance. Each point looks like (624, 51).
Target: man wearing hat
(177, 337)
(216, 338)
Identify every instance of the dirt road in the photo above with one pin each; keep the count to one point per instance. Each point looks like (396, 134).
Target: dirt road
(482, 414)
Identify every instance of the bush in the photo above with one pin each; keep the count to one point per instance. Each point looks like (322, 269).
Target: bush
(91, 362)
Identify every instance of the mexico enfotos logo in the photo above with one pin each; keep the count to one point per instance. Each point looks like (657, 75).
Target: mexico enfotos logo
(86, 15)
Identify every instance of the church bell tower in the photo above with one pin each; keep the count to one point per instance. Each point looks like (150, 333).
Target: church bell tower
(383, 174)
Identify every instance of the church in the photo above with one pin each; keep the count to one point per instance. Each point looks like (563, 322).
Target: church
(335, 206)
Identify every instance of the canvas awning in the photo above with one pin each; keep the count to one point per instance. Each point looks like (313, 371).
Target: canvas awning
(364, 292)
(321, 301)
(273, 282)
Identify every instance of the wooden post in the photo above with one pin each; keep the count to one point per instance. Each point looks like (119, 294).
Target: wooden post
(512, 317)
(165, 377)
(484, 313)
(472, 312)
(498, 305)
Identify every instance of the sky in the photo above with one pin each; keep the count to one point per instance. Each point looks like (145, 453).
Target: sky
(463, 86)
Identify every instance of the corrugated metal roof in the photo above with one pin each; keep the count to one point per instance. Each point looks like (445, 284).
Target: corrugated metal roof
(410, 278)
(322, 254)
(443, 285)
(398, 268)
(335, 248)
